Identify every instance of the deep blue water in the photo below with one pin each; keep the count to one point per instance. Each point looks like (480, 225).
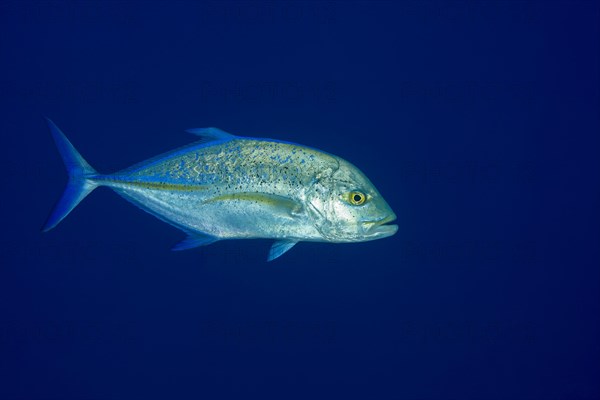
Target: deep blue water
(477, 121)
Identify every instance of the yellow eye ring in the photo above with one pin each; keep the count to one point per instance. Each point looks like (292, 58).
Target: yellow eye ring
(357, 198)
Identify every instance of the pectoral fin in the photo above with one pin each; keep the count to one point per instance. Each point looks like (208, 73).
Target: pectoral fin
(280, 247)
(279, 204)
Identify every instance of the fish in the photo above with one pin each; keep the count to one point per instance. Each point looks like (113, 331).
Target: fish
(225, 186)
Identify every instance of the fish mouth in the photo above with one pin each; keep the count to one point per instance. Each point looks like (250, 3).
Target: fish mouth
(381, 228)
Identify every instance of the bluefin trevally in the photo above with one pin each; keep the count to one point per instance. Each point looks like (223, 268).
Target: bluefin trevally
(231, 187)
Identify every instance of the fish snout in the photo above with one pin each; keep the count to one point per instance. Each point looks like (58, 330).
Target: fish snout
(381, 228)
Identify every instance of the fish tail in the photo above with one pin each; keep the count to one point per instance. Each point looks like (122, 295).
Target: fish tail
(80, 182)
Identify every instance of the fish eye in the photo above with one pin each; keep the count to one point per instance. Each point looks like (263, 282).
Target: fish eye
(357, 198)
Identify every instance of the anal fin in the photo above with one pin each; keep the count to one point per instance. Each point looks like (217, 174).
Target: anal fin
(194, 240)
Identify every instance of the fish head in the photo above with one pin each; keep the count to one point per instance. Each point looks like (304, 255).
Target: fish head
(346, 207)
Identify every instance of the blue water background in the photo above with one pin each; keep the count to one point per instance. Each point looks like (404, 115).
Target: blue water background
(477, 121)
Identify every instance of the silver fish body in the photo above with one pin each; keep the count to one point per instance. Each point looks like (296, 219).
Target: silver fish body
(230, 187)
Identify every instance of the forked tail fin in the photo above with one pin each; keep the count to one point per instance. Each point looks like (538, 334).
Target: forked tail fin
(79, 184)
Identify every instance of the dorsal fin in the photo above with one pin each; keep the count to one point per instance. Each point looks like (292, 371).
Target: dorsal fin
(210, 134)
